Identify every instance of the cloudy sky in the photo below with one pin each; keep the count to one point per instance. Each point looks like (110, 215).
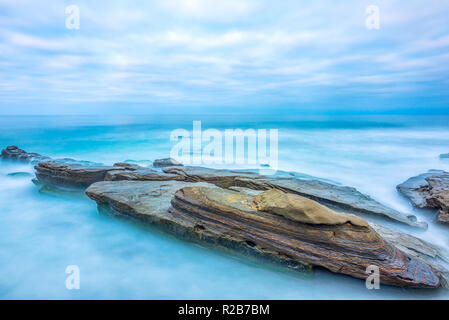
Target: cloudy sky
(155, 56)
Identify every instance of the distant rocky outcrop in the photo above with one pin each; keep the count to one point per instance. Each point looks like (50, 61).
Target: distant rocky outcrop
(15, 153)
(167, 162)
(429, 190)
(299, 235)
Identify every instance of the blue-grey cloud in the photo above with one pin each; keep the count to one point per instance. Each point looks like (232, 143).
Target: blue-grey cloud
(234, 53)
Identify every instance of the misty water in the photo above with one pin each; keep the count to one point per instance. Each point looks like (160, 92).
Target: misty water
(42, 233)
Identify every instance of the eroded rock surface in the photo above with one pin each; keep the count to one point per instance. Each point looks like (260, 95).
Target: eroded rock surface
(337, 197)
(231, 220)
(300, 209)
(429, 190)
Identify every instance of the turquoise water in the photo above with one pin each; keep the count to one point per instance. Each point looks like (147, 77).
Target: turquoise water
(41, 234)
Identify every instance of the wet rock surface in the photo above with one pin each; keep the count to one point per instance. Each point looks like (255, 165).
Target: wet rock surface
(429, 190)
(231, 220)
(167, 162)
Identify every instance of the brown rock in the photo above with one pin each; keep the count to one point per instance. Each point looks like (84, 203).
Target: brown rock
(429, 190)
(70, 174)
(343, 247)
(300, 209)
(340, 198)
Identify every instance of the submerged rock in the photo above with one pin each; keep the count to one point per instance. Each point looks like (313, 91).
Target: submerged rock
(444, 156)
(71, 174)
(429, 190)
(56, 191)
(20, 174)
(167, 162)
(233, 221)
(337, 197)
(15, 153)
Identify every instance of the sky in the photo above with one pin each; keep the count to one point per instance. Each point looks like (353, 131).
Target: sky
(223, 56)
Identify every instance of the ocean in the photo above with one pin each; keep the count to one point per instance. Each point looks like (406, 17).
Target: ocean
(42, 233)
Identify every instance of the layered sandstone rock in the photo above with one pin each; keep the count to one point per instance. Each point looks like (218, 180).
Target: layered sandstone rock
(337, 197)
(429, 190)
(71, 174)
(298, 235)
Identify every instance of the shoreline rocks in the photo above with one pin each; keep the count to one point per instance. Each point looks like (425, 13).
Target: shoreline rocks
(234, 221)
(15, 153)
(429, 190)
(69, 173)
(293, 221)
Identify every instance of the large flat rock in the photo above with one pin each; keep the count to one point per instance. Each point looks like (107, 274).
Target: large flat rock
(338, 197)
(231, 220)
(149, 201)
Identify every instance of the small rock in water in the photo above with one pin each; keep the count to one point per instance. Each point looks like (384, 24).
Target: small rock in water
(429, 190)
(19, 174)
(444, 156)
(167, 162)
